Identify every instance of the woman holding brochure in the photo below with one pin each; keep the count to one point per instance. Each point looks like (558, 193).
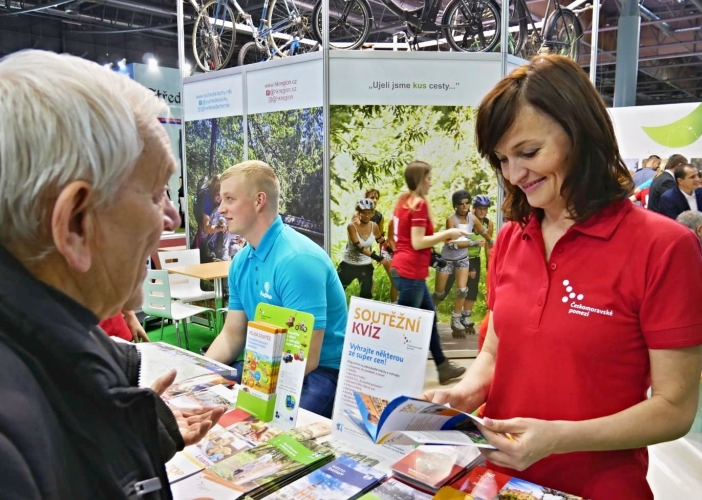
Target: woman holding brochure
(414, 238)
(580, 325)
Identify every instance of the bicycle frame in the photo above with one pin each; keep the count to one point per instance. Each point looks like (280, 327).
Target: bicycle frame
(262, 32)
(547, 14)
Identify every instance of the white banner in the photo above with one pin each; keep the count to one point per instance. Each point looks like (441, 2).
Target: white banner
(213, 98)
(662, 130)
(284, 87)
(386, 79)
(165, 82)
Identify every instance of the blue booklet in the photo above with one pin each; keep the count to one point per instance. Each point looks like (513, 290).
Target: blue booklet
(342, 479)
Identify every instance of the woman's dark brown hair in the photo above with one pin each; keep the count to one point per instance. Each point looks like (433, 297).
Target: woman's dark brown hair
(557, 87)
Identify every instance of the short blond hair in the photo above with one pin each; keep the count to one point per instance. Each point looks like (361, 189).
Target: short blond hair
(259, 177)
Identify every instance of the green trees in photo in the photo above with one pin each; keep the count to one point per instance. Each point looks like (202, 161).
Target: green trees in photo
(292, 143)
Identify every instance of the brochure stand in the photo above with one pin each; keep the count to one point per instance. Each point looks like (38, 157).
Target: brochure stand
(283, 406)
(383, 348)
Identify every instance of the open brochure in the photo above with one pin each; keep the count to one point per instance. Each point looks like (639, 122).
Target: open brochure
(409, 421)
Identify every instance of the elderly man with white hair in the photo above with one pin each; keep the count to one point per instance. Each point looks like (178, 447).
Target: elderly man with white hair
(693, 220)
(84, 164)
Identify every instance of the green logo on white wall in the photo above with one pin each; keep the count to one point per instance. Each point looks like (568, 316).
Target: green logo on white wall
(680, 133)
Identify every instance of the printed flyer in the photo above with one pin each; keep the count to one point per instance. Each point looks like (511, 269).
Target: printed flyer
(384, 345)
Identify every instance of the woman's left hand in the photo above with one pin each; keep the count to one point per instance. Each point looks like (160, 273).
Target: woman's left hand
(531, 440)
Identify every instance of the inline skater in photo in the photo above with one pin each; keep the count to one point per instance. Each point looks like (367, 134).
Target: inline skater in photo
(357, 260)
(455, 253)
(481, 203)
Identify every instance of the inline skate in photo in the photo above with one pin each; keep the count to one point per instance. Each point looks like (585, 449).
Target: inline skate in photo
(467, 323)
(457, 329)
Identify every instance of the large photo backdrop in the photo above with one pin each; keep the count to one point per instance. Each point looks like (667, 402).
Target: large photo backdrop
(388, 110)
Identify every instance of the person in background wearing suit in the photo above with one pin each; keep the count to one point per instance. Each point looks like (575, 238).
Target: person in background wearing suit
(664, 182)
(686, 196)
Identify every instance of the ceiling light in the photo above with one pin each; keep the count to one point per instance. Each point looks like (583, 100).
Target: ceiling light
(153, 63)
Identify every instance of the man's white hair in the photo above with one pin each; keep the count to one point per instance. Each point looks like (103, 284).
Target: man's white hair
(692, 219)
(63, 119)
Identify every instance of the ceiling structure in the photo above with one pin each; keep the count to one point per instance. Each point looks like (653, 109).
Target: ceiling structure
(670, 54)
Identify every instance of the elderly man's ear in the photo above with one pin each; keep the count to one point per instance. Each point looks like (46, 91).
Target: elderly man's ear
(72, 225)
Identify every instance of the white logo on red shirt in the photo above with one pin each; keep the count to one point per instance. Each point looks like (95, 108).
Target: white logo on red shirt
(576, 305)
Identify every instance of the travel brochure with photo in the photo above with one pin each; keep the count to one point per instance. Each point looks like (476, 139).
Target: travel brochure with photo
(411, 421)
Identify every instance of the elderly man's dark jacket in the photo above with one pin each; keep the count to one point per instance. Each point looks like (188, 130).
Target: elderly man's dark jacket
(73, 424)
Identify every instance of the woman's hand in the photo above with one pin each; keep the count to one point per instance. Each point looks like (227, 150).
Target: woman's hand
(453, 234)
(456, 397)
(520, 442)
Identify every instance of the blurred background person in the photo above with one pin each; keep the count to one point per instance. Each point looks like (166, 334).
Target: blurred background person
(414, 237)
(455, 253)
(357, 260)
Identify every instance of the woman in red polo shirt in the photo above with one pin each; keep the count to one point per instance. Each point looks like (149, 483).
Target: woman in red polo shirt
(590, 306)
(413, 233)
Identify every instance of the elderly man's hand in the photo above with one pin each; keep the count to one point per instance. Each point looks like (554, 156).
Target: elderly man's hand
(193, 423)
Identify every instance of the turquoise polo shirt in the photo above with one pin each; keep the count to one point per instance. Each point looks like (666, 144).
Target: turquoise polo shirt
(290, 270)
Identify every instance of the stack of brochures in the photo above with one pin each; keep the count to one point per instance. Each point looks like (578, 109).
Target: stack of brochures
(158, 357)
(262, 356)
(342, 479)
(428, 468)
(266, 468)
(483, 484)
(411, 421)
(236, 431)
(395, 490)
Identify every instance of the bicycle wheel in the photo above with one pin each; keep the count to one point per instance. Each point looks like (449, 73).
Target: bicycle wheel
(472, 25)
(349, 23)
(213, 40)
(518, 18)
(286, 23)
(564, 33)
(250, 54)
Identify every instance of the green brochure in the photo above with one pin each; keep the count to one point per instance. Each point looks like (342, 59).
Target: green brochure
(282, 408)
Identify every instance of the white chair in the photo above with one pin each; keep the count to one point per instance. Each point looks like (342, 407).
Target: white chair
(158, 303)
(184, 288)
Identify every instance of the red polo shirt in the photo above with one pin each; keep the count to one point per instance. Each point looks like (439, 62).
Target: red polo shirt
(574, 332)
(116, 326)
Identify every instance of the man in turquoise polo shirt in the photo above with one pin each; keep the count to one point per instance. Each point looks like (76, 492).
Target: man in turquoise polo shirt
(281, 267)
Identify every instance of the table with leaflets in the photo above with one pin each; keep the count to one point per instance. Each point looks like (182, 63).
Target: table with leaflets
(243, 457)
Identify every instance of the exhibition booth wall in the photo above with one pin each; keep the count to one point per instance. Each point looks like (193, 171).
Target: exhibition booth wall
(331, 135)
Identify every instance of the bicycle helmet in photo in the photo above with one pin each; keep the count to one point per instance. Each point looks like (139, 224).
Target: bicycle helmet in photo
(481, 201)
(365, 204)
(460, 195)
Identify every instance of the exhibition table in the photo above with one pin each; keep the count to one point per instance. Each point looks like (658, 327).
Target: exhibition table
(215, 271)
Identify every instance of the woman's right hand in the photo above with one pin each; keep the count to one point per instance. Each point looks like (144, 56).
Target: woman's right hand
(453, 234)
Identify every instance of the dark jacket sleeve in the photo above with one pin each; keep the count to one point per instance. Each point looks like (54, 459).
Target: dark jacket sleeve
(668, 207)
(16, 478)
